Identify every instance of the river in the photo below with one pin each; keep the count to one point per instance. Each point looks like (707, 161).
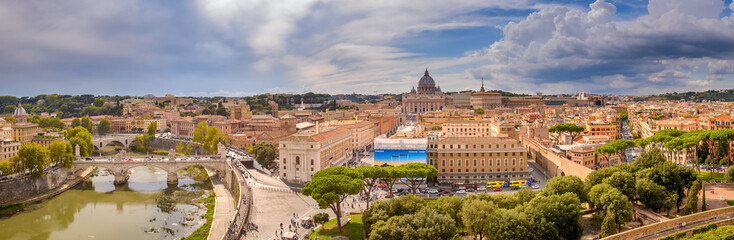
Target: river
(97, 209)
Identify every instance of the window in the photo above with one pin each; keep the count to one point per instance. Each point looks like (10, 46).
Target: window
(311, 161)
(458, 162)
(451, 162)
(298, 160)
(506, 161)
(283, 160)
(513, 162)
(443, 162)
(482, 162)
(311, 169)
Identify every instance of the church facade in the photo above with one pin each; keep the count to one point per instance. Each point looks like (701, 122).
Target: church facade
(427, 98)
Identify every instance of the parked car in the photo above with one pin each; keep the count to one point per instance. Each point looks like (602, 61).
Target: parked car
(481, 189)
(536, 186)
(470, 190)
(432, 191)
(446, 191)
(497, 189)
(461, 192)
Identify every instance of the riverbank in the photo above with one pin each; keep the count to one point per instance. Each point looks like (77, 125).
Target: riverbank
(13, 207)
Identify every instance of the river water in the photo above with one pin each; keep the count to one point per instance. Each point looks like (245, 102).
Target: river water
(98, 209)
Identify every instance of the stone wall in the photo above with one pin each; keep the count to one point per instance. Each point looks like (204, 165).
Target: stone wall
(670, 224)
(553, 164)
(24, 187)
(168, 144)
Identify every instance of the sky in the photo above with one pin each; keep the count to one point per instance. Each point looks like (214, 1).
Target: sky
(247, 47)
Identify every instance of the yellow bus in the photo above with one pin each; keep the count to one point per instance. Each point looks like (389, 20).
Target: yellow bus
(517, 183)
(495, 184)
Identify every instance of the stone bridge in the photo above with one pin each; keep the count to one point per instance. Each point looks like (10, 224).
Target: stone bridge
(120, 167)
(120, 140)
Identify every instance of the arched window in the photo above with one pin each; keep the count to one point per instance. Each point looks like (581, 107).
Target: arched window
(298, 160)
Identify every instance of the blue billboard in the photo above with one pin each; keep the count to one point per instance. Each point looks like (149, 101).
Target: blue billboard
(399, 157)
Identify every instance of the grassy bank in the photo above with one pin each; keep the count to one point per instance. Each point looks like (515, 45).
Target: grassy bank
(353, 229)
(203, 231)
(10, 209)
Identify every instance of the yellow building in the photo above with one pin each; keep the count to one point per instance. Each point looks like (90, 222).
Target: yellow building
(478, 159)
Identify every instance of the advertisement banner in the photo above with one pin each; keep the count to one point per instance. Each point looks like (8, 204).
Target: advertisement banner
(399, 157)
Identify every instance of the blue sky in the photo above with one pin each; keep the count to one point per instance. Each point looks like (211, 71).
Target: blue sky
(240, 48)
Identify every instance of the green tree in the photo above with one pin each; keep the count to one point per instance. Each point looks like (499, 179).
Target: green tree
(103, 127)
(615, 147)
(608, 226)
(651, 194)
(729, 176)
(692, 200)
(75, 123)
(213, 138)
(152, 129)
(479, 111)
(563, 184)
(370, 175)
(392, 175)
(703, 198)
(320, 218)
(624, 182)
(34, 158)
(648, 159)
(6, 167)
(188, 149)
(88, 124)
(595, 194)
(618, 205)
(200, 132)
(81, 136)
(424, 224)
(508, 224)
(417, 173)
(560, 210)
(265, 154)
(61, 153)
(449, 205)
(330, 186)
(98, 102)
(573, 130)
(597, 177)
(179, 148)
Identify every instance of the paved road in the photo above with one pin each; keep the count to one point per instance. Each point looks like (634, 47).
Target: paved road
(223, 209)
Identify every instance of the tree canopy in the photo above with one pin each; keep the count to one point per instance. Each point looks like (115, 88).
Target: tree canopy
(330, 186)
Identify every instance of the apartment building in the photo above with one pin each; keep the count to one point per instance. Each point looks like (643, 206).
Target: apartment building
(305, 153)
(477, 159)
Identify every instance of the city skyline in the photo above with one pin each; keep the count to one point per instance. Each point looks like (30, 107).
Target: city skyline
(228, 48)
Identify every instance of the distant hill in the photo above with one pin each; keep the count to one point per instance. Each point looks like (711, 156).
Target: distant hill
(711, 95)
(504, 94)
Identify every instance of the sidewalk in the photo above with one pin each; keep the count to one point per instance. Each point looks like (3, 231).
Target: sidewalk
(223, 210)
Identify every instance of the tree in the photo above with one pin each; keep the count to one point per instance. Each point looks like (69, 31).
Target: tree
(608, 227)
(449, 205)
(562, 211)
(75, 123)
(424, 224)
(618, 205)
(595, 194)
(651, 194)
(572, 129)
(152, 129)
(370, 175)
(264, 154)
(598, 176)
(200, 132)
(88, 124)
(330, 186)
(615, 147)
(392, 175)
(81, 136)
(103, 127)
(703, 198)
(624, 182)
(213, 137)
(320, 218)
(98, 102)
(61, 153)
(6, 167)
(508, 224)
(692, 200)
(188, 149)
(648, 159)
(563, 184)
(479, 111)
(729, 176)
(417, 173)
(34, 158)
(179, 148)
